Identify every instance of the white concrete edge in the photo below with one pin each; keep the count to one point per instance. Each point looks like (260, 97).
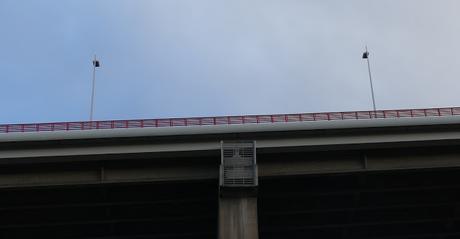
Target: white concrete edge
(223, 129)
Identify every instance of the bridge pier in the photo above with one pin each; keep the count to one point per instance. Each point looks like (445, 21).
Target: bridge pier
(238, 191)
(238, 218)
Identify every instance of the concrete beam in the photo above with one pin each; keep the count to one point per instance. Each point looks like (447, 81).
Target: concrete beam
(106, 175)
(360, 163)
(351, 140)
(305, 164)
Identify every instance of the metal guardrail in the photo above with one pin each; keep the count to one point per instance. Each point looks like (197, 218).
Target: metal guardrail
(229, 120)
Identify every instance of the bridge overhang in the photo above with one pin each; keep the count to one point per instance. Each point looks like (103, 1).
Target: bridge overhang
(189, 153)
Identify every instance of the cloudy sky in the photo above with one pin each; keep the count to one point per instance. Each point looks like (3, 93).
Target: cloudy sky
(172, 58)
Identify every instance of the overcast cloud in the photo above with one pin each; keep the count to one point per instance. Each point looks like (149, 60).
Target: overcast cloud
(175, 58)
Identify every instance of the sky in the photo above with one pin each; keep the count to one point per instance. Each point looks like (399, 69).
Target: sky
(183, 58)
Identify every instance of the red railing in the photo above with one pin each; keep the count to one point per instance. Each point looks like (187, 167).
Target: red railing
(229, 120)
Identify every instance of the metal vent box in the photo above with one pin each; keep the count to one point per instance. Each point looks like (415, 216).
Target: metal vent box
(238, 164)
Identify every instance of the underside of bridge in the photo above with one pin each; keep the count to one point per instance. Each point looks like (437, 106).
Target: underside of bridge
(385, 205)
(166, 210)
(391, 204)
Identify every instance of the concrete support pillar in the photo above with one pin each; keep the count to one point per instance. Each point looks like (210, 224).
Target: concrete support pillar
(238, 218)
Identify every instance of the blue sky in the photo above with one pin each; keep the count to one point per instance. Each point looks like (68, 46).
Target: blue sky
(177, 58)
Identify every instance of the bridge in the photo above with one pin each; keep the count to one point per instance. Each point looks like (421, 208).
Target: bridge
(385, 174)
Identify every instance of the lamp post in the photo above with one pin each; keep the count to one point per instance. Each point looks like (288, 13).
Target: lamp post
(366, 56)
(95, 65)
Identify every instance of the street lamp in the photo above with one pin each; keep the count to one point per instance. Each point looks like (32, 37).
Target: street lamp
(366, 56)
(95, 65)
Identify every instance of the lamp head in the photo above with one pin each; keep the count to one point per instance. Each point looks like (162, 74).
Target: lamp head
(366, 55)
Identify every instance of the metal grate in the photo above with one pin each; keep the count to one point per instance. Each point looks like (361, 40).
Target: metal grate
(238, 164)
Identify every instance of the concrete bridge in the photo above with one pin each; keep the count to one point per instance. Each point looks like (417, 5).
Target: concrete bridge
(384, 174)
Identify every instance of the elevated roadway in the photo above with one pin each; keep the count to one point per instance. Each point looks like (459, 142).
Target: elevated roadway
(386, 174)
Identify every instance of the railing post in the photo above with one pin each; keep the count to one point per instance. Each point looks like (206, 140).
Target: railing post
(271, 118)
(67, 126)
(22, 128)
(439, 112)
(7, 128)
(328, 116)
(142, 123)
(214, 120)
(314, 117)
(424, 111)
(156, 123)
(257, 119)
